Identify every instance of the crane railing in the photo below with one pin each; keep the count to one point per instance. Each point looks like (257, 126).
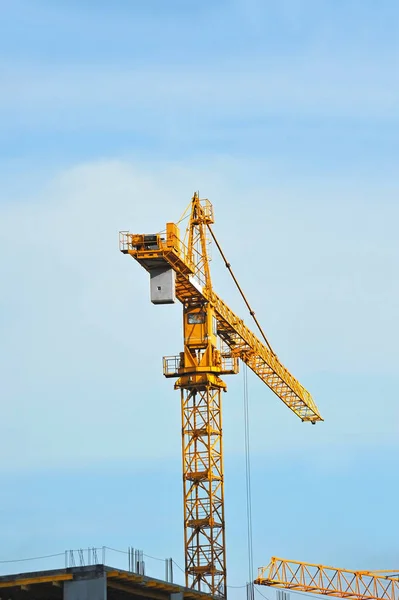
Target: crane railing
(329, 581)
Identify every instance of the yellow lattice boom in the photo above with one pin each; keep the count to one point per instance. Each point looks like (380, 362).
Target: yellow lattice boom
(329, 581)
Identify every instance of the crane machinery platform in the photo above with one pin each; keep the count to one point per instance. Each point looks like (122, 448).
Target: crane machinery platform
(329, 581)
(215, 340)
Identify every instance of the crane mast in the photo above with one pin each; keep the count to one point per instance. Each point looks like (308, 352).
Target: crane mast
(201, 404)
(214, 341)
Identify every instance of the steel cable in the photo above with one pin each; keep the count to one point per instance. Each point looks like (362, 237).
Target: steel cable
(248, 477)
(251, 312)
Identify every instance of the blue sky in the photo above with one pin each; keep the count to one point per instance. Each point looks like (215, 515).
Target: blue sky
(285, 114)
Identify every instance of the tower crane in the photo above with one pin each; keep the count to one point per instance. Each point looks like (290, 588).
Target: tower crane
(329, 581)
(215, 339)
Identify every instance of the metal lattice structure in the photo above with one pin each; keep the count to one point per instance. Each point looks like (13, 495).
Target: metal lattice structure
(329, 581)
(214, 341)
(203, 485)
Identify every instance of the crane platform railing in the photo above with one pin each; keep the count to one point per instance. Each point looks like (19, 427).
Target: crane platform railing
(173, 366)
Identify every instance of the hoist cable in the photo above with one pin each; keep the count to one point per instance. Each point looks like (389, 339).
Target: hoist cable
(248, 479)
(251, 312)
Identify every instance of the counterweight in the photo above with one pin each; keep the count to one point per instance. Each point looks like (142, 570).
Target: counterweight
(214, 341)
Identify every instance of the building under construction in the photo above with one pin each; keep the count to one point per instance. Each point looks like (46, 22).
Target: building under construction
(94, 582)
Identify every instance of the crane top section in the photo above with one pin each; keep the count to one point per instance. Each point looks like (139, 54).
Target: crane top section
(179, 269)
(188, 256)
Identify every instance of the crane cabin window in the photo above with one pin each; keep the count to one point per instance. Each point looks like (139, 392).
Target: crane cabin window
(196, 318)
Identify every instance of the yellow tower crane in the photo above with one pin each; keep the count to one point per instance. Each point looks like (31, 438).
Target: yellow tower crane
(329, 581)
(214, 341)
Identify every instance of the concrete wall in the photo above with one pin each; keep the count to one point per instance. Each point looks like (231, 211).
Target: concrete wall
(162, 285)
(86, 589)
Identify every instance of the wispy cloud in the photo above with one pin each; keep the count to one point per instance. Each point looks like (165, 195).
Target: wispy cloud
(91, 96)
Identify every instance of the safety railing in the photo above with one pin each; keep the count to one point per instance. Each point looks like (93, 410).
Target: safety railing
(124, 241)
(230, 365)
(171, 365)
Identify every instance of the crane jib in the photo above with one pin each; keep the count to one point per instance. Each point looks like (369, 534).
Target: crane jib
(243, 343)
